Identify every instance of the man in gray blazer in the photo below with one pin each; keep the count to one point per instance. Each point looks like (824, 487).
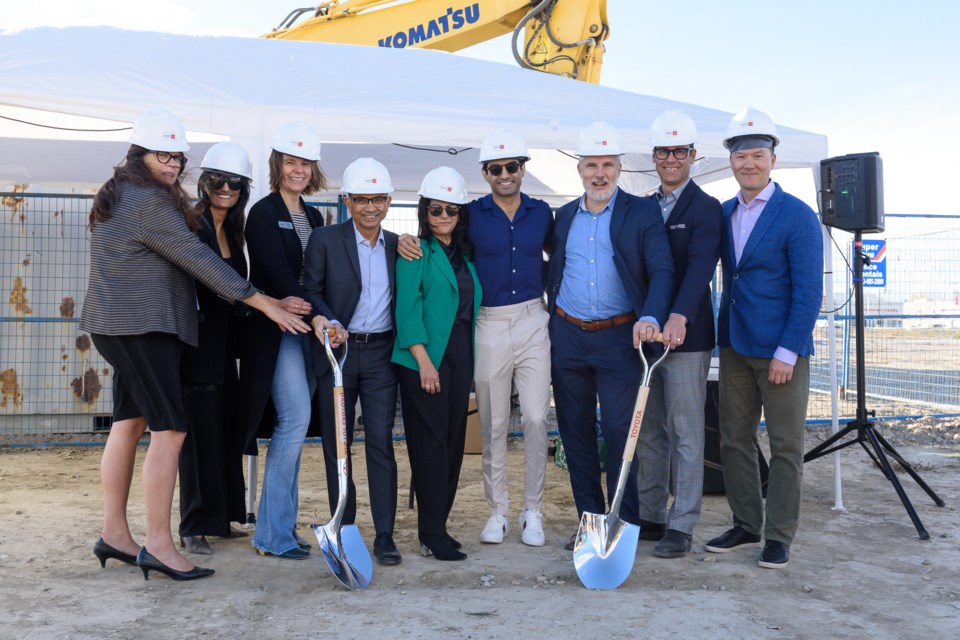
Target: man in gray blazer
(349, 276)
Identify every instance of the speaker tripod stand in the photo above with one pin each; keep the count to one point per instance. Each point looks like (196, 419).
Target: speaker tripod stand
(866, 435)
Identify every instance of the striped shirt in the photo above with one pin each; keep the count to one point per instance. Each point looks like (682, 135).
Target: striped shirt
(143, 261)
(302, 226)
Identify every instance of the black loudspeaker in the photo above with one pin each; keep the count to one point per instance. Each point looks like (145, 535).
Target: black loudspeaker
(852, 188)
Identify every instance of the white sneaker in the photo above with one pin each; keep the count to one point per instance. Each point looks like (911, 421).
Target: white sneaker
(496, 528)
(531, 527)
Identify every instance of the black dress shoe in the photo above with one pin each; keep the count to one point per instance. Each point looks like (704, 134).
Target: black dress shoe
(733, 539)
(385, 549)
(104, 552)
(775, 555)
(148, 563)
(196, 544)
(651, 530)
(675, 544)
(440, 547)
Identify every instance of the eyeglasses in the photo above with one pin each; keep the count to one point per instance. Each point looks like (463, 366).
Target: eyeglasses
(436, 210)
(362, 201)
(164, 157)
(217, 180)
(496, 169)
(679, 153)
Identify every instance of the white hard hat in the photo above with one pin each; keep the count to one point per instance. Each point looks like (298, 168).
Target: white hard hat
(228, 157)
(159, 130)
(750, 123)
(298, 139)
(446, 184)
(366, 176)
(600, 139)
(673, 129)
(502, 144)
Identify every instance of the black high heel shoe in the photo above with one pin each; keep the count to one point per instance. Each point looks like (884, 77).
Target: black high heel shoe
(148, 563)
(456, 543)
(105, 552)
(440, 547)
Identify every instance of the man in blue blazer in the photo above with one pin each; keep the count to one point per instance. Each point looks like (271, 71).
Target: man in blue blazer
(670, 449)
(609, 282)
(349, 278)
(772, 255)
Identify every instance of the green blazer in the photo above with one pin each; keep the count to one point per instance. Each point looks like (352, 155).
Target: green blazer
(427, 299)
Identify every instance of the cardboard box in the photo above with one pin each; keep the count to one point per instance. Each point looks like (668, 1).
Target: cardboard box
(474, 441)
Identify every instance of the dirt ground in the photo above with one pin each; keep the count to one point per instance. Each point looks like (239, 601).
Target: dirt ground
(858, 573)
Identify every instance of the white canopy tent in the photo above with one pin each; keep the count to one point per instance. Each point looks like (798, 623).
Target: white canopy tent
(362, 100)
(412, 109)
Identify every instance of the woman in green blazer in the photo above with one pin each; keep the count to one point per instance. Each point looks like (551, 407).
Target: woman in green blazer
(438, 297)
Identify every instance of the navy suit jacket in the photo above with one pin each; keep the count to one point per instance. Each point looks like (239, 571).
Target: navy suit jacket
(772, 296)
(332, 277)
(693, 230)
(641, 254)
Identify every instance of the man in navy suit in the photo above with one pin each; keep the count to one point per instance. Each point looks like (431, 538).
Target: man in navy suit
(349, 279)
(609, 283)
(772, 255)
(670, 449)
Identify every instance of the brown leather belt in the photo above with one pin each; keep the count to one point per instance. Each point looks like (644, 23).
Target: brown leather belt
(596, 325)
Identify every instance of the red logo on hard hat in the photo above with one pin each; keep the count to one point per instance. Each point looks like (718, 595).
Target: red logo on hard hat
(299, 143)
(501, 146)
(374, 181)
(750, 123)
(173, 136)
(449, 188)
(603, 143)
(674, 132)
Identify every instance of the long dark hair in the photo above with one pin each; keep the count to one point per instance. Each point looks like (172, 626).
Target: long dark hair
(135, 171)
(234, 220)
(459, 240)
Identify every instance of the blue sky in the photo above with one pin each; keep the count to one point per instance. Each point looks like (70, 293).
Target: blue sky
(872, 76)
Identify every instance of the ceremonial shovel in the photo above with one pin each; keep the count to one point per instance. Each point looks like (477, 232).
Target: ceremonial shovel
(342, 546)
(606, 546)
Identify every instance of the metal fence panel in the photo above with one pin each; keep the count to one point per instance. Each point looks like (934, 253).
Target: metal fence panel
(52, 381)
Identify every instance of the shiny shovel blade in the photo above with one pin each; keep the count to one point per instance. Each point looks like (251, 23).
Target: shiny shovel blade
(346, 554)
(605, 550)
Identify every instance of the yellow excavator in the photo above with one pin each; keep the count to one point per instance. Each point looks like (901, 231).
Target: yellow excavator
(563, 37)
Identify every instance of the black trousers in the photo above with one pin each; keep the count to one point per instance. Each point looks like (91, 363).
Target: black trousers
(211, 460)
(369, 375)
(435, 426)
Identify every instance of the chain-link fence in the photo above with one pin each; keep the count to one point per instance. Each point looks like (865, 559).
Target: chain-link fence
(52, 381)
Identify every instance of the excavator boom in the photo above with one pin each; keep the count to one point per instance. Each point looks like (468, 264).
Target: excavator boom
(563, 37)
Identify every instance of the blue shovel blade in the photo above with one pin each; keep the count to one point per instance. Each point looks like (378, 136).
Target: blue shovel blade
(346, 555)
(605, 550)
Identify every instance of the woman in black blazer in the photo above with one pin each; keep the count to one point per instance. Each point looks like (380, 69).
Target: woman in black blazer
(211, 460)
(140, 308)
(276, 367)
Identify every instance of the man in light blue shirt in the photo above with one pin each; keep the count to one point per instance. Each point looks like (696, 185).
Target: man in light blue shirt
(609, 283)
(349, 276)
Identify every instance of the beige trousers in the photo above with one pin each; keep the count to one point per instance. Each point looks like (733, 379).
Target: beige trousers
(513, 344)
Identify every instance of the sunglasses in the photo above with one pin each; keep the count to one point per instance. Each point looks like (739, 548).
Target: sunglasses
(217, 180)
(496, 169)
(362, 201)
(436, 210)
(679, 154)
(164, 157)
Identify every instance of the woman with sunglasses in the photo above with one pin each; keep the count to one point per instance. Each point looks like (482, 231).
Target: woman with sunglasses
(437, 302)
(140, 307)
(276, 377)
(211, 460)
